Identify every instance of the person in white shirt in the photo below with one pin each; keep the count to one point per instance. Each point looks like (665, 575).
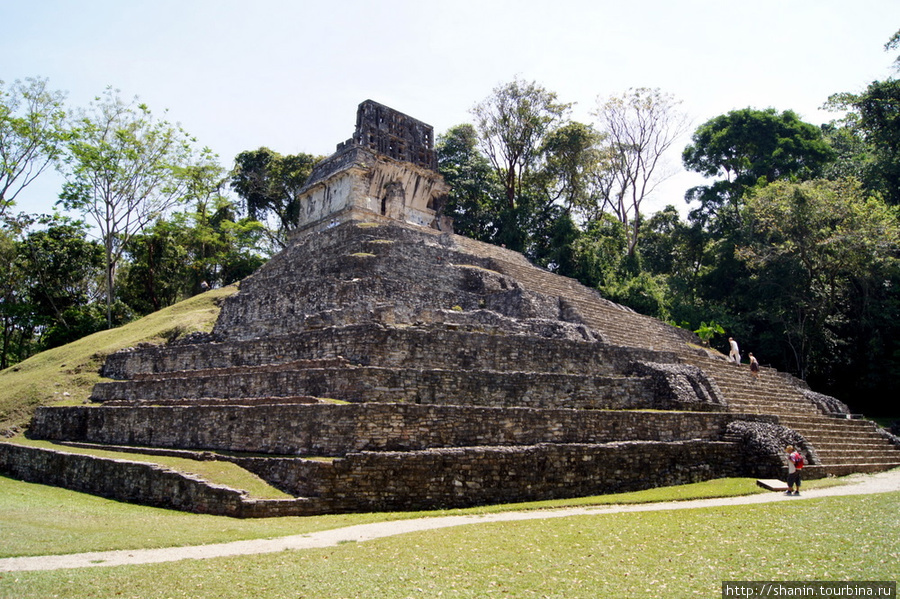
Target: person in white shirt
(735, 353)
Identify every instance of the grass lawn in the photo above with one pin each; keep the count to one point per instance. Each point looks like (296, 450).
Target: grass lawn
(684, 553)
(65, 375)
(41, 520)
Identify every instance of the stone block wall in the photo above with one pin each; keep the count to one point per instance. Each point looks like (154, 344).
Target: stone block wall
(389, 385)
(354, 272)
(336, 430)
(370, 344)
(123, 480)
(431, 479)
(469, 476)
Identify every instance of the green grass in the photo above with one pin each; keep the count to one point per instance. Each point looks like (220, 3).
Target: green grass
(671, 554)
(40, 520)
(65, 375)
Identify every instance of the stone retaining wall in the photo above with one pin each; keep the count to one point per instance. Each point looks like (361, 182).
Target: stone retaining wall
(375, 345)
(123, 480)
(470, 476)
(372, 384)
(431, 479)
(335, 430)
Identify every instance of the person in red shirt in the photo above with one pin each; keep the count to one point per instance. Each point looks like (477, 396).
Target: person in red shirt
(795, 465)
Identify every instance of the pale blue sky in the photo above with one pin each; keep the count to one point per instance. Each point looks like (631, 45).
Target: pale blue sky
(288, 74)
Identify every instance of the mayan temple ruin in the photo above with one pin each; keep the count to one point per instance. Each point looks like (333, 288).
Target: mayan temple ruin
(381, 362)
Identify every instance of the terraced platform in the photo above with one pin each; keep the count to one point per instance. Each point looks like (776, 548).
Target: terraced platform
(380, 365)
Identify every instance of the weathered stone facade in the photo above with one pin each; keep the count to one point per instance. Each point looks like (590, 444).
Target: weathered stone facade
(387, 167)
(335, 430)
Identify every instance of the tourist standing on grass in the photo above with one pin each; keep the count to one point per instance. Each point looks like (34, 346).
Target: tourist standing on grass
(734, 353)
(795, 464)
(754, 366)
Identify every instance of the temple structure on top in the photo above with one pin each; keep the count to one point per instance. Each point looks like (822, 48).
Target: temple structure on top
(387, 168)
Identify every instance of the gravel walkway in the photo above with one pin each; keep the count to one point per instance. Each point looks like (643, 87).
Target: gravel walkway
(857, 485)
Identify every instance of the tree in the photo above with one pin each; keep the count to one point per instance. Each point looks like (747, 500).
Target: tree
(17, 329)
(877, 118)
(639, 127)
(571, 160)
(681, 252)
(810, 248)
(64, 274)
(512, 124)
(124, 169)
(269, 183)
(155, 273)
(475, 194)
(893, 44)
(745, 146)
(32, 131)
(208, 243)
(223, 246)
(599, 252)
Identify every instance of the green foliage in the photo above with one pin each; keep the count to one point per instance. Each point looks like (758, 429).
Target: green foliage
(474, 188)
(513, 123)
(572, 158)
(50, 292)
(708, 330)
(268, 183)
(64, 271)
(643, 292)
(810, 247)
(32, 132)
(16, 313)
(873, 124)
(188, 253)
(599, 252)
(747, 146)
(124, 169)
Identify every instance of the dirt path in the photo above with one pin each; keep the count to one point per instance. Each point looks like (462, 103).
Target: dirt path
(857, 485)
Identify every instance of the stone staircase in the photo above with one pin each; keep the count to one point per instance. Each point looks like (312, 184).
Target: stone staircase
(842, 445)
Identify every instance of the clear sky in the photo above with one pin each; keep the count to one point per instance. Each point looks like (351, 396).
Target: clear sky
(289, 74)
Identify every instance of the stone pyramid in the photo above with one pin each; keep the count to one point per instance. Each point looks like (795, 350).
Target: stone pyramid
(381, 362)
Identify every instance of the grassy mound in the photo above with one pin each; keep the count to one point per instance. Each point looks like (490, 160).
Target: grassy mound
(65, 375)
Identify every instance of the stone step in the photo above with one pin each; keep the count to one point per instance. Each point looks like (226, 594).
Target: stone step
(828, 422)
(784, 407)
(841, 441)
(864, 457)
(439, 346)
(403, 385)
(841, 444)
(771, 393)
(329, 429)
(841, 437)
(821, 471)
